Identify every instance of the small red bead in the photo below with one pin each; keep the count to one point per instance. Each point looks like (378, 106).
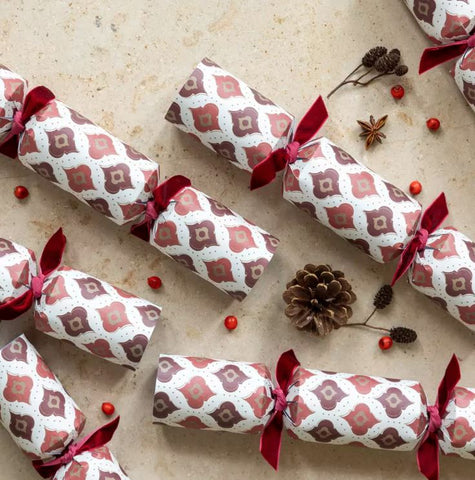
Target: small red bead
(230, 322)
(21, 192)
(108, 408)
(415, 187)
(385, 343)
(397, 92)
(433, 124)
(154, 282)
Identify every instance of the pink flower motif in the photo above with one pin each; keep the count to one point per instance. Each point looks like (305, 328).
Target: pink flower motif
(174, 114)
(132, 210)
(61, 142)
(193, 422)
(55, 290)
(101, 348)
(468, 60)
(361, 419)
(463, 397)
(342, 157)
(150, 315)
(257, 153)
(389, 439)
(218, 209)
(3, 121)
(28, 143)
(363, 384)
(291, 180)
(200, 362)
(193, 85)
(444, 246)
(45, 170)
(412, 220)
(329, 394)
(163, 406)
(42, 322)
(362, 184)
(240, 238)
(101, 453)
(151, 179)
(245, 121)
(19, 274)
(227, 86)
(220, 270)
(196, 392)
(391, 252)
(100, 146)
(79, 178)
(325, 432)
(394, 402)
(396, 194)
(469, 92)
(52, 404)
(299, 411)
(455, 27)
(100, 205)
(90, 287)
(54, 440)
(6, 247)
(109, 476)
(75, 322)
(117, 178)
(202, 235)
(271, 242)
(279, 124)
(422, 275)
(419, 426)
(260, 98)
(470, 249)
(206, 118)
(18, 388)
(325, 183)
(184, 260)
(43, 370)
(225, 149)
(340, 217)
(460, 432)
(165, 234)
(135, 348)
(254, 271)
(113, 316)
(458, 282)
(21, 426)
(259, 401)
(231, 377)
(226, 415)
(78, 118)
(467, 314)
(134, 154)
(424, 10)
(13, 89)
(186, 202)
(167, 369)
(380, 221)
(76, 471)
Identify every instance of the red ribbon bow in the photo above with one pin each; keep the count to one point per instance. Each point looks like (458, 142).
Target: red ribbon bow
(272, 434)
(96, 439)
(162, 196)
(428, 452)
(433, 56)
(50, 261)
(35, 101)
(434, 215)
(265, 171)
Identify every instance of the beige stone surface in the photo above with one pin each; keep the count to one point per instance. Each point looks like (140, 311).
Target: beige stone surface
(120, 63)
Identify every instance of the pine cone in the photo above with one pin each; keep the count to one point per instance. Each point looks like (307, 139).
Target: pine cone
(403, 335)
(372, 55)
(318, 299)
(383, 297)
(388, 62)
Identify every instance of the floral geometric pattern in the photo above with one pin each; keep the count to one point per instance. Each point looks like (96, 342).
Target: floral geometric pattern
(228, 116)
(213, 241)
(445, 272)
(80, 157)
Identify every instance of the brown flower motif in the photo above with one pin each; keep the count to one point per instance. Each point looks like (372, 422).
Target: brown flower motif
(109, 476)
(202, 235)
(325, 432)
(360, 244)
(78, 118)
(117, 178)
(325, 183)
(184, 260)
(80, 178)
(389, 439)
(340, 217)
(220, 270)
(100, 205)
(166, 234)
(61, 142)
(380, 221)
(231, 377)
(341, 156)
(470, 249)
(271, 242)
(396, 194)
(135, 348)
(254, 270)
(163, 406)
(469, 92)
(218, 209)
(225, 149)
(90, 287)
(167, 368)
(21, 425)
(15, 351)
(174, 114)
(193, 85)
(226, 416)
(52, 404)
(75, 322)
(206, 118)
(101, 348)
(260, 98)
(308, 208)
(27, 143)
(424, 10)
(257, 153)
(6, 247)
(458, 282)
(133, 154)
(329, 394)
(394, 402)
(150, 314)
(245, 121)
(45, 170)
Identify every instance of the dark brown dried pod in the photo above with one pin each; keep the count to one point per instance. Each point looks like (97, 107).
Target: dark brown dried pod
(401, 70)
(387, 63)
(372, 55)
(383, 297)
(403, 335)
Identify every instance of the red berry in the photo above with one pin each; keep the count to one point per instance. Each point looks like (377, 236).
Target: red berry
(433, 124)
(154, 282)
(385, 343)
(230, 322)
(21, 192)
(415, 187)
(397, 91)
(108, 408)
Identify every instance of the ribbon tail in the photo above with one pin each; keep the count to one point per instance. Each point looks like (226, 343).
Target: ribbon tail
(435, 213)
(15, 307)
(164, 192)
(285, 369)
(449, 382)
(433, 56)
(271, 440)
(142, 230)
(266, 170)
(311, 122)
(35, 100)
(10, 147)
(405, 261)
(428, 457)
(53, 253)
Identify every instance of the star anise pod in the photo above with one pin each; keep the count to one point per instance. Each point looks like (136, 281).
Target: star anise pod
(371, 130)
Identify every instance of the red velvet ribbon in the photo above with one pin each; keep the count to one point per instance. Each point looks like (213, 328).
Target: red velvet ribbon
(434, 215)
(96, 439)
(35, 100)
(162, 196)
(265, 171)
(428, 452)
(49, 262)
(272, 434)
(433, 56)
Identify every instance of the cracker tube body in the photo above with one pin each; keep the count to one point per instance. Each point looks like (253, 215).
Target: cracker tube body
(70, 305)
(208, 238)
(70, 151)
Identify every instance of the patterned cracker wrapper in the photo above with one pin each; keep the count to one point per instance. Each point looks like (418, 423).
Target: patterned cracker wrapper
(81, 158)
(213, 241)
(350, 199)
(212, 394)
(445, 272)
(229, 117)
(90, 313)
(35, 409)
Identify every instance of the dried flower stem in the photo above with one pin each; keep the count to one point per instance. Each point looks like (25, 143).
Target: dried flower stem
(364, 324)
